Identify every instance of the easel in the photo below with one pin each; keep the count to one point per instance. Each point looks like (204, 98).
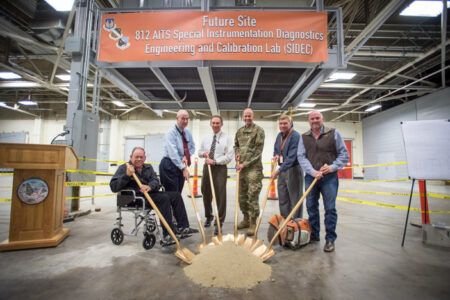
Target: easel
(424, 144)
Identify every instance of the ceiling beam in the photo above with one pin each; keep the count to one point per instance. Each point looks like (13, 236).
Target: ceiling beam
(369, 86)
(399, 70)
(301, 80)
(165, 82)
(252, 89)
(208, 86)
(373, 26)
(311, 87)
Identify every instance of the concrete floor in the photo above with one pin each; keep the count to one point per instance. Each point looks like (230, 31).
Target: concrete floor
(369, 262)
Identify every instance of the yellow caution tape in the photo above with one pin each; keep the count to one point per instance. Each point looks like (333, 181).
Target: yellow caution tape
(93, 196)
(6, 174)
(389, 205)
(5, 199)
(431, 195)
(89, 172)
(85, 183)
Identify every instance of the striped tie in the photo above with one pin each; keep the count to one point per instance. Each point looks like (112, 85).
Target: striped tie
(213, 148)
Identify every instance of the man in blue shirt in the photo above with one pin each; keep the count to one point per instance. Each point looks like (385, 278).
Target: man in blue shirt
(321, 152)
(289, 173)
(178, 148)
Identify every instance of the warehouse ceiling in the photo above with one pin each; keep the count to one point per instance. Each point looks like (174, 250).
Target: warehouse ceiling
(396, 59)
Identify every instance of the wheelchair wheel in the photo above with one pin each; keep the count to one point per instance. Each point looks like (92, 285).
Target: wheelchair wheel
(117, 236)
(149, 241)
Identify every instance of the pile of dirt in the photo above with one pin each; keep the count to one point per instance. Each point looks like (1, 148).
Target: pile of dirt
(227, 266)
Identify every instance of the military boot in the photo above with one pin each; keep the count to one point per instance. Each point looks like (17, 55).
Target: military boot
(244, 223)
(252, 227)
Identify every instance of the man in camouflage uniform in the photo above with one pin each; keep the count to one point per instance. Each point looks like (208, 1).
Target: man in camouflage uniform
(248, 146)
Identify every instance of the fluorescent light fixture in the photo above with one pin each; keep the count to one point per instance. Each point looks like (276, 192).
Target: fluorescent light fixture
(119, 103)
(341, 75)
(423, 9)
(307, 105)
(27, 102)
(63, 77)
(61, 5)
(373, 107)
(3, 104)
(9, 75)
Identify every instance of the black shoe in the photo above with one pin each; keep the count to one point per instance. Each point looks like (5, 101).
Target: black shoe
(329, 246)
(167, 241)
(314, 238)
(209, 221)
(191, 230)
(216, 229)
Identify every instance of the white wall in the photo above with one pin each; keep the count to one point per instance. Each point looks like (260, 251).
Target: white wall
(42, 131)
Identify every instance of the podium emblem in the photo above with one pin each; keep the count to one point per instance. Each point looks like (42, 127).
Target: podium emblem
(32, 191)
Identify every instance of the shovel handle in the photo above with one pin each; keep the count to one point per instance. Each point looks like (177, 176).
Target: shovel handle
(288, 218)
(202, 230)
(236, 204)
(258, 221)
(211, 181)
(160, 216)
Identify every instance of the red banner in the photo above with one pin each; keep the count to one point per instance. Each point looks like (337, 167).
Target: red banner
(231, 35)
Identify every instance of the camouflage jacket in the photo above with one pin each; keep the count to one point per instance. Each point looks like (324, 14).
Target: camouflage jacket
(249, 144)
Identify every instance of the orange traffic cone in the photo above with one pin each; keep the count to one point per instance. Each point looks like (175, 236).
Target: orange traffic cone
(272, 187)
(195, 184)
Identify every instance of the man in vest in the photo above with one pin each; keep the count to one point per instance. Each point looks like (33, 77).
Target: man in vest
(321, 152)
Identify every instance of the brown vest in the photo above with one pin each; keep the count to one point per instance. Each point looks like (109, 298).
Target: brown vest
(321, 151)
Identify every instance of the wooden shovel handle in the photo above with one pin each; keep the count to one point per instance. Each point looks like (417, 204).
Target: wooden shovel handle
(236, 204)
(202, 230)
(263, 207)
(160, 216)
(288, 218)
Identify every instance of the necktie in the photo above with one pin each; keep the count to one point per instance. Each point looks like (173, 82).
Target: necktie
(186, 148)
(213, 148)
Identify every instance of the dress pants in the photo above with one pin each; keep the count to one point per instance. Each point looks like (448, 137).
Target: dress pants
(219, 175)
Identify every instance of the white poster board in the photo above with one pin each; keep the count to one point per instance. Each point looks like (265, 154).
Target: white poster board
(427, 147)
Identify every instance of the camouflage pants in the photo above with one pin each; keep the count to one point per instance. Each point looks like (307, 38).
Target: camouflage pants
(250, 185)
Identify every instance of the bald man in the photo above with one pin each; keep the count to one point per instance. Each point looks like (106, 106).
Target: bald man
(248, 146)
(178, 148)
(321, 153)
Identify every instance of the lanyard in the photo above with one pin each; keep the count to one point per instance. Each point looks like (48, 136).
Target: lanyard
(283, 141)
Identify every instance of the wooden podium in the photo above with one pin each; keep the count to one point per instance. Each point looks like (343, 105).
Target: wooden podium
(37, 208)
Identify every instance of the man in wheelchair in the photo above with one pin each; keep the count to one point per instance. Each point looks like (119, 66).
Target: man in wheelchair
(165, 201)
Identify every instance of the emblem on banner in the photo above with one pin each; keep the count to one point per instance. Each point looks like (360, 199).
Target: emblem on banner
(109, 24)
(123, 43)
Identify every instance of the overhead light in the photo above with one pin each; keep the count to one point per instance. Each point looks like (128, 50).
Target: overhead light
(61, 5)
(9, 75)
(119, 103)
(341, 76)
(307, 105)
(3, 104)
(373, 107)
(63, 77)
(27, 102)
(423, 9)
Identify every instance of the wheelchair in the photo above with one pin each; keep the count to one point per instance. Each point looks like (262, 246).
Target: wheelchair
(127, 201)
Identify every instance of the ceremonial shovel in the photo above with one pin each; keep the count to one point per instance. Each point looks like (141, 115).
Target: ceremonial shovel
(182, 253)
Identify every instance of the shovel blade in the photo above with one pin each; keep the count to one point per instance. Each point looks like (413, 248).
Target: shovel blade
(268, 255)
(260, 251)
(216, 240)
(228, 238)
(185, 255)
(256, 245)
(239, 241)
(248, 243)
